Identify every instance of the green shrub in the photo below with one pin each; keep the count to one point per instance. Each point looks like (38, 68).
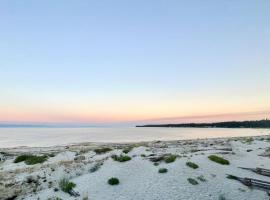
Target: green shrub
(221, 197)
(113, 181)
(192, 165)
(127, 150)
(121, 158)
(163, 170)
(102, 150)
(66, 186)
(21, 158)
(248, 140)
(143, 155)
(170, 158)
(219, 160)
(31, 159)
(192, 181)
(232, 177)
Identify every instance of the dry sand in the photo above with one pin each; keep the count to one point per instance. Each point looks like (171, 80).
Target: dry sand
(139, 177)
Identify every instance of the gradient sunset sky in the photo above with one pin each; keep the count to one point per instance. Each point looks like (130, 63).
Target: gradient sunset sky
(123, 61)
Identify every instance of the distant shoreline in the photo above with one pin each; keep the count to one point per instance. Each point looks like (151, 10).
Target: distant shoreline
(230, 124)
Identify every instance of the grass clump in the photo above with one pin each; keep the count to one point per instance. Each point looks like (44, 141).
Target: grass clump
(31, 159)
(66, 186)
(102, 150)
(192, 181)
(201, 178)
(170, 158)
(121, 158)
(162, 170)
(219, 160)
(113, 181)
(127, 150)
(192, 165)
(221, 197)
(232, 177)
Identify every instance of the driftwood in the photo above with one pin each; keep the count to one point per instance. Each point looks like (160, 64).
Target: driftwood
(250, 182)
(261, 171)
(157, 158)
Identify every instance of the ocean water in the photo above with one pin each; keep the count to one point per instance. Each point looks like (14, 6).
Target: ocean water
(43, 137)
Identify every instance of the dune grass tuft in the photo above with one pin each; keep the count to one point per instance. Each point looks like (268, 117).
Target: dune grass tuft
(171, 158)
(113, 181)
(192, 181)
(66, 186)
(121, 158)
(31, 159)
(219, 160)
(127, 150)
(192, 165)
(231, 177)
(163, 170)
(102, 150)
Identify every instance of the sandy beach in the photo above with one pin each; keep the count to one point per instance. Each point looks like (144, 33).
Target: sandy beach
(90, 165)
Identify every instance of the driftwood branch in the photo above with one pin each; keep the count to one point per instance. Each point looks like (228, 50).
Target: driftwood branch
(250, 182)
(261, 171)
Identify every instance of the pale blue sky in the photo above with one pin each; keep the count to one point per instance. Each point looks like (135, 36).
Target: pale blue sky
(95, 61)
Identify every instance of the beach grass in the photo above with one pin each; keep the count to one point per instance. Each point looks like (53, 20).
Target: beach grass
(66, 186)
(219, 160)
(113, 181)
(102, 150)
(171, 158)
(127, 150)
(192, 181)
(121, 158)
(192, 165)
(162, 170)
(30, 159)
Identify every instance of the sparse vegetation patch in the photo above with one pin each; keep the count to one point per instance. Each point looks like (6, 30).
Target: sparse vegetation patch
(121, 158)
(192, 165)
(102, 150)
(66, 186)
(192, 181)
(163, 170)
(171, 158)
(113, 181)
(127, 150)
(219, 160)
(31, 159)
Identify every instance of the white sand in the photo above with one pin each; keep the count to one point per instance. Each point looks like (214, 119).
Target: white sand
(139, 178)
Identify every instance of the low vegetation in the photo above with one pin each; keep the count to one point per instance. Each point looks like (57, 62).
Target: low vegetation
(31, 159)
(192, 181)
(121, 158)
(221, 197)
(192, 165)
(66, 186)
(163, 170)
(171, 158)
(219, 160)
(248, 140)
(113, 181)
(231, 177)
(96, 167)
(127, 150)
(201, 178)
(102, 150)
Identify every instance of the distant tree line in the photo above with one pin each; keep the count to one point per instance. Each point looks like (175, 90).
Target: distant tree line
(232, 124)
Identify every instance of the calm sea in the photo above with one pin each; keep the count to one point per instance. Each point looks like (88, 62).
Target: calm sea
(41, 137)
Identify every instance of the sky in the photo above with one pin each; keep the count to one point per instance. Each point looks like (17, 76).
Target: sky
(134, 61)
